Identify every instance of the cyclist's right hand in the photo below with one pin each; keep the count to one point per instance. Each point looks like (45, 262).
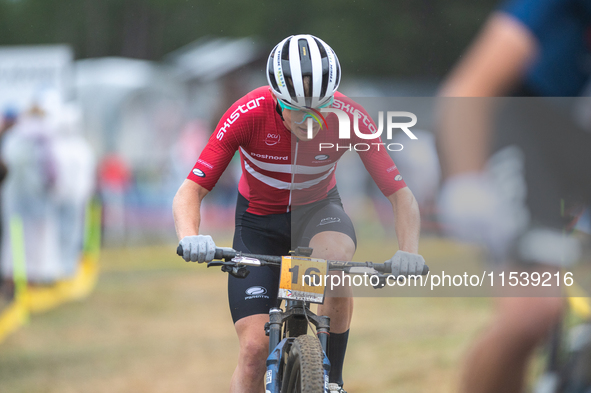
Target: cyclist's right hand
(199, 248)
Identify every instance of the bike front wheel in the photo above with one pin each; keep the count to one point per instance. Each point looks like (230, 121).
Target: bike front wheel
(303, 370)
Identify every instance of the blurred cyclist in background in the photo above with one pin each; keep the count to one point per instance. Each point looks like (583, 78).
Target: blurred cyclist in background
(527, 48)
(288, 196)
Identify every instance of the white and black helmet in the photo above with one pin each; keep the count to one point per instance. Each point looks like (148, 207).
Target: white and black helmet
(300, 56)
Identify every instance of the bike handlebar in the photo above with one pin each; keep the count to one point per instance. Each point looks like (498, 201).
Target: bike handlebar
(226, 253)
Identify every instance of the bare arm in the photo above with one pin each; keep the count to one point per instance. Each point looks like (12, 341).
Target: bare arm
(407, 219)
(494, 63)
(186, 208)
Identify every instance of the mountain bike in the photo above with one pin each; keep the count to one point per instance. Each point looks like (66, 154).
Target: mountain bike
(297, 362)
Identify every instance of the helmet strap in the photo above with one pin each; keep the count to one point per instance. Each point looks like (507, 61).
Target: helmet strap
(279, 111)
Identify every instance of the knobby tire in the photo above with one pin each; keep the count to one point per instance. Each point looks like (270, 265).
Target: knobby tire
(303, 370)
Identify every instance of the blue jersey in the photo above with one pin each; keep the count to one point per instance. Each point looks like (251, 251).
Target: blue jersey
(563, 31)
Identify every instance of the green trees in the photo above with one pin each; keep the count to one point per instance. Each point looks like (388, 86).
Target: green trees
(379, 37)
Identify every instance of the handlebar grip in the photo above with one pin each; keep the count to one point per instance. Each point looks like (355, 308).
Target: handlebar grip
(224, 252)
(425, 270)
(179, 250)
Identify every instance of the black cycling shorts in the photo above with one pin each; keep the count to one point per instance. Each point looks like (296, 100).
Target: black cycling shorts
(272, 235)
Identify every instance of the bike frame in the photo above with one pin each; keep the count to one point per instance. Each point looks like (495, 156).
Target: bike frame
(295, 319)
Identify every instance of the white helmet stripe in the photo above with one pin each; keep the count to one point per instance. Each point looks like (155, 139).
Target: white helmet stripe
(278, 69)
(316, 70)
(332, 68)
(296, 70)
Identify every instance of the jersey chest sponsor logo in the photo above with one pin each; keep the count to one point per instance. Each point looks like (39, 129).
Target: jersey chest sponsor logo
(270, 157)
(272, 139)
(252, 104)
(321, 157)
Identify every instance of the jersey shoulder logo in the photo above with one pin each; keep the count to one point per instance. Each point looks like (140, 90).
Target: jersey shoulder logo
(198, 172)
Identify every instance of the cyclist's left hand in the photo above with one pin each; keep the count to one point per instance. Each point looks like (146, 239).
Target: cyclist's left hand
(406, 263)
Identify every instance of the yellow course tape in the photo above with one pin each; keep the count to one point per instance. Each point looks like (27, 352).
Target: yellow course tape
(579, 301)
(35, 299)
(40, 299)
(13, 317)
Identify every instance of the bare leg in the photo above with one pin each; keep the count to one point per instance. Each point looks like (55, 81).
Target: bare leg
(498, 361)
(254, 349)
(338, 304)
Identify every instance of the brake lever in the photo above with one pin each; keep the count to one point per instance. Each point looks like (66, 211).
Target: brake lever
(382, 283)
(236, 271)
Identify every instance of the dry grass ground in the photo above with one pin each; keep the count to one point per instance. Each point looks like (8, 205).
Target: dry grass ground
(157, 324)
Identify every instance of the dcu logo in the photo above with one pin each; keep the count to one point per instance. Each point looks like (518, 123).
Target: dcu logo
(272, 139)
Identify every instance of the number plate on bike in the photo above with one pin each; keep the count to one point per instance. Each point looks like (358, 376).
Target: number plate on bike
(303, 279)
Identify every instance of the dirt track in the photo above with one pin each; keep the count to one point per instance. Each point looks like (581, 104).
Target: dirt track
(156, 324)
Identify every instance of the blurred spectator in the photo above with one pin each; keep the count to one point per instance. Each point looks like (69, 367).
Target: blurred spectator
(52, 176)
(114, 181)
(26, 194)
(8, 120)
(75, 184)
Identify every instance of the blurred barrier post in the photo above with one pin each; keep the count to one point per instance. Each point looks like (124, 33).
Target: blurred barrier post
(92, 229)
(18, 257)
(17, 313)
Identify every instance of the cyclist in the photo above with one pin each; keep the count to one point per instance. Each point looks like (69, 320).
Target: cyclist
(530, 48)
(288, 195)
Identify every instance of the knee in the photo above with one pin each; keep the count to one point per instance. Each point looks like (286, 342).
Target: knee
(333, 246)
(529, 321)
(333, 253)
(253, 354)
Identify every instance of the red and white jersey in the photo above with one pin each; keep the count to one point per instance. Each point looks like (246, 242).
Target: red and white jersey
(278, 170)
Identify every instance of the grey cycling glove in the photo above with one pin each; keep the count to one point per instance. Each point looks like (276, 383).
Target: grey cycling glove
(200, 248)
(406, 263)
